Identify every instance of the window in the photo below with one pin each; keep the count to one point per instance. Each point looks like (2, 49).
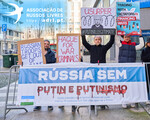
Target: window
(111, 1)
(10, 32)
(4, 18)
(11, 20)
(12, 47)
(16, 34)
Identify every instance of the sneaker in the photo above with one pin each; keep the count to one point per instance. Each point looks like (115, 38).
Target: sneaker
(103, 107)
(50, 108)
(133, 105)
(124, 106)
(74, 109)
(36, 108)
(61, 107)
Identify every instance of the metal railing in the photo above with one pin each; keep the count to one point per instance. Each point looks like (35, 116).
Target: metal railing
(13, 70)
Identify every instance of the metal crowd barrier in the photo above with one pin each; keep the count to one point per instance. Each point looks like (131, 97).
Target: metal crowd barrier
(136, 104)
(147, 74)
(8, 107)
(13, 106)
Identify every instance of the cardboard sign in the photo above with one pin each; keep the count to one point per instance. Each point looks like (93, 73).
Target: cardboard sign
(128, 18)
(98, 21)
(30, 52)
(68, 48)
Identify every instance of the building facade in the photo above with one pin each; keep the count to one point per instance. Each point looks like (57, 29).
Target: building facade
(14, 31)
(49, 30)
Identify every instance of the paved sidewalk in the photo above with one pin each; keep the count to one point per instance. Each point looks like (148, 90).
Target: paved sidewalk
(113, 113)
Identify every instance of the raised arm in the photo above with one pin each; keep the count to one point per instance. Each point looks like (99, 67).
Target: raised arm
(111, 42)
(85, 43)
(117, 41)
(138, 47)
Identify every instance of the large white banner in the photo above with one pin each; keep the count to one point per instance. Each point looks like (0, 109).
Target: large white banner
(82, 84)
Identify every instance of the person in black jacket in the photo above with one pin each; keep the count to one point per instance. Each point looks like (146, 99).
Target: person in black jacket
(50, 58)
(98, 51)
(49, 54)
(145, 57)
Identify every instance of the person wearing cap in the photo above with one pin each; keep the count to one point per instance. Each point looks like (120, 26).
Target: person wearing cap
(98, 51)
(127, 52)
(50, 58)
(145, 57)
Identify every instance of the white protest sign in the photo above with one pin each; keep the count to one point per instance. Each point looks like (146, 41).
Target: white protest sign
(30, 52)
(102, 19)
(68, 47)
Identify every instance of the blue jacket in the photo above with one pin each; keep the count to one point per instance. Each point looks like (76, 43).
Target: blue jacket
(50, 57)
(127, 53)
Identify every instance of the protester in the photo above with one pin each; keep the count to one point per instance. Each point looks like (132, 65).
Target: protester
(98, 51)
(127, 52)
(50, 58)
(145, 57)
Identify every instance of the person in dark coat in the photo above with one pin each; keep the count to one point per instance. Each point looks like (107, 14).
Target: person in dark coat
(145, 57)
(49, 54)
(50, 58)
(98, 51)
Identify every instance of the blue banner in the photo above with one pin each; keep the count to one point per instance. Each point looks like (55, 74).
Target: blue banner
(82, 75)
(145, 32)
(84, 83)
(143, 3)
